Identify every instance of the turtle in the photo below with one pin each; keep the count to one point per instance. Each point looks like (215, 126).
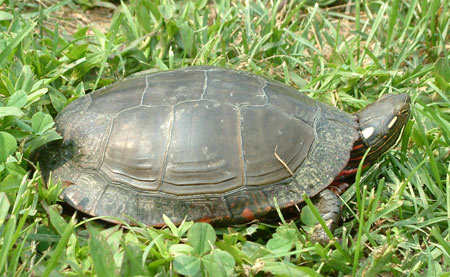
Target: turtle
(211, 144)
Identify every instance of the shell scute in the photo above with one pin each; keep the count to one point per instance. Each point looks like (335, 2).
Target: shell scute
(204, 150)
(236, 88)
(269, 139)
(292, 102)
(174, 87)
(136, 148)
(118, 97)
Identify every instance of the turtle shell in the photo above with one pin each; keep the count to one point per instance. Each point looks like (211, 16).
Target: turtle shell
(205, 143)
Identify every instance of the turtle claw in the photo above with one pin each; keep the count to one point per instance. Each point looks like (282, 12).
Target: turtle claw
(329, 206)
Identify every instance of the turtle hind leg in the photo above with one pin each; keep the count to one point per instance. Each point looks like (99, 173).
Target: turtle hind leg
(329, 206)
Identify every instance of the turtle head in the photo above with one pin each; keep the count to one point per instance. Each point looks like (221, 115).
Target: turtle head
(381, 123)
(53, 155)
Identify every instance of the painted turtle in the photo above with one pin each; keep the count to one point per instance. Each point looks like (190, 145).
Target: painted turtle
(211, 144)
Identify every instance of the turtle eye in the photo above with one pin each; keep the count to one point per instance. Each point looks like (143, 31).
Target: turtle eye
(404, 111)
(52, 159)
(68, 149)
(67, 153)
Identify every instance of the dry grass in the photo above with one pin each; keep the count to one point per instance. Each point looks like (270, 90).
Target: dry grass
(70, 20)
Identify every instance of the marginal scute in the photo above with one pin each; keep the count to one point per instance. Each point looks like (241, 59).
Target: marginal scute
(253, 200)
(118, 201)
(151, 208)
(329, 132)
(67, 172)
(325, 162)
(84, 194)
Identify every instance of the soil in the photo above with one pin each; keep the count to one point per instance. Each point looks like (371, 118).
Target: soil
(70, 20)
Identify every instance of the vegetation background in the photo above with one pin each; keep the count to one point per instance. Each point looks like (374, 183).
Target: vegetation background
(396, 218)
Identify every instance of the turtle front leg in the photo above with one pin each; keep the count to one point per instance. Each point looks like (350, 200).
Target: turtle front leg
(329, 206)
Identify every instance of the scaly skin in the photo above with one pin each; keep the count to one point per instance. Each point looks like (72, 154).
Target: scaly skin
(329, 206)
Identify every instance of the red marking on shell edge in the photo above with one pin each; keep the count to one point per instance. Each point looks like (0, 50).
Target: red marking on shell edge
(67, 183)
(247, 214)
(205, 219)
(267, 208)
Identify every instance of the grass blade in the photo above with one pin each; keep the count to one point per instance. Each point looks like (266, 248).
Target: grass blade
(15, 42)
(58, 251)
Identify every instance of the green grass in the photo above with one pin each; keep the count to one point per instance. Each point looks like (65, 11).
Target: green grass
(397, 222)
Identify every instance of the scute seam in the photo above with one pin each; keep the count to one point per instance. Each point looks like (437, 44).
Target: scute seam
(275, 108)
(266, 84)
(94, 209)
(105, 144)
(166, 153)
(241, 149)
(90, 102)
(139, 106)
(185, 101)
(106, 168)
(98, 171)
(316, 138)
(145, 90)
(205, 85)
